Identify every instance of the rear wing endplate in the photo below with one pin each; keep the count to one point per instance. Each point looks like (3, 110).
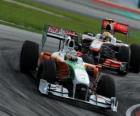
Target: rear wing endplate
(116, 26)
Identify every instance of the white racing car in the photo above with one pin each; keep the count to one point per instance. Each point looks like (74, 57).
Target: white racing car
(112, 53)
(64, 74)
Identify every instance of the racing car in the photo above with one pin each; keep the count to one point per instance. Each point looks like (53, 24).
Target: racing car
(112, 53)
(64, 74)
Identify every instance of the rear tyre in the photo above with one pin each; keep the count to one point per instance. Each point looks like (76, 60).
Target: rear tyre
(124, 56)
(135, 58)
(29, 56)
(47, 71)
(106, 87)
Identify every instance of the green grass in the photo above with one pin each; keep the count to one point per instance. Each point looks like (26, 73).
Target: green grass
(34, 20)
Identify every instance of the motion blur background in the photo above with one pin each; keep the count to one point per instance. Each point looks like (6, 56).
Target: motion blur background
(129, 3)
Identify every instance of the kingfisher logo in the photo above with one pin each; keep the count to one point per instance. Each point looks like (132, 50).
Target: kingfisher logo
(133, 110)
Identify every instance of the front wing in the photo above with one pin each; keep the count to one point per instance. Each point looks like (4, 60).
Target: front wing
(115, 65)
(97, 101)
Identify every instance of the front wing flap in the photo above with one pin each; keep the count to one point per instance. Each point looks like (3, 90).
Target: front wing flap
(96, 101)
(115, 65)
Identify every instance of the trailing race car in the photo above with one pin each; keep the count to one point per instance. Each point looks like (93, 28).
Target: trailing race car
(113, 54)
(64, 74)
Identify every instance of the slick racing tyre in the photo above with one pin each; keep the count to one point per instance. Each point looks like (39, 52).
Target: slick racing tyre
(124, 54)
(106, 87)
(135, 58)
(29, 57)
(47, 71)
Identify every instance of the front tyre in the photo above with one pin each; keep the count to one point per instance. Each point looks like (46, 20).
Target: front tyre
(106, 87)
(29, 56)
(123, 54)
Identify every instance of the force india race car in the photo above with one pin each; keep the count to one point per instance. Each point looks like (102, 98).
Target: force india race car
(113, 54)
(63, 74)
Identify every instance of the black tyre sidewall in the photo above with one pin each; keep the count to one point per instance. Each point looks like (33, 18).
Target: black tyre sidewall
(135, 58)
(47, 71)
(29, 56)
(124, 54)
(106, 86)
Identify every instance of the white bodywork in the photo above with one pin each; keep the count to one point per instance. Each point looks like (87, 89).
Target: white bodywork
(81, 77)
(86, 36)
(97, 43)
(60, 91)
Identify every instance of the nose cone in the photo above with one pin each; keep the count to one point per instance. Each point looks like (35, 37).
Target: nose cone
(81, 77)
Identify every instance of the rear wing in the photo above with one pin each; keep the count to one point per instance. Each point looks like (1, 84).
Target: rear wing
(57, 33)
(115, 26)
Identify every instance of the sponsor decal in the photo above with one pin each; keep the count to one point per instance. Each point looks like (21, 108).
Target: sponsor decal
(56, 30)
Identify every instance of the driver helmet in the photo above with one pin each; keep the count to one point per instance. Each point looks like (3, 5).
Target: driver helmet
(106, 36)
(110, 26)
(69, 44)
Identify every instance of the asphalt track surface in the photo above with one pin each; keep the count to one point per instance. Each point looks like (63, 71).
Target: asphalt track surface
(92, 9)
(18, 92)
